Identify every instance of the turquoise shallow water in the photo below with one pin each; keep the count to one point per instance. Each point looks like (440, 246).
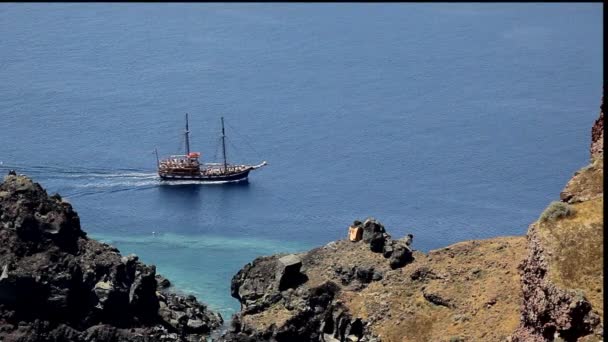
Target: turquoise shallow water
(447, 121)
(199, 261)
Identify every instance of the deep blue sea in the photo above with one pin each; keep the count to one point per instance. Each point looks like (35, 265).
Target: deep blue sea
(447, 121)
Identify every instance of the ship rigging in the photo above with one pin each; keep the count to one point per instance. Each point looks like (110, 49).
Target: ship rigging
(188, 166)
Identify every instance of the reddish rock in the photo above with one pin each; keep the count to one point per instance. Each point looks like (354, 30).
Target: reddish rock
(546, 308)
(597, 134)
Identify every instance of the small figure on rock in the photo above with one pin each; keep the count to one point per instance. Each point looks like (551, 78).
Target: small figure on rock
(12, 173)
(409, 239)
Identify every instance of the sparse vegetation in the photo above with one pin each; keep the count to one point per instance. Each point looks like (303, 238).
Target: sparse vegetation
(479, 271)
(418, 328)
(556, 210)
(576, 245)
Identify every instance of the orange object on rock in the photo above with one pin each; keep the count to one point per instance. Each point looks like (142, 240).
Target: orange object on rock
(355, 233)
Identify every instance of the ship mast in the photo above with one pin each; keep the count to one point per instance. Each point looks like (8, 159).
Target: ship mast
(224, 146)
(186, 133)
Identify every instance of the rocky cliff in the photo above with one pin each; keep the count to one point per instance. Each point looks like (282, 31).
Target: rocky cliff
(546, 286)
(597, 134)
(346, 291)
(58, 285)
(562, 276)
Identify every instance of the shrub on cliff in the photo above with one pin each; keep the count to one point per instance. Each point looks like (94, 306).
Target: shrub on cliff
(556, 210)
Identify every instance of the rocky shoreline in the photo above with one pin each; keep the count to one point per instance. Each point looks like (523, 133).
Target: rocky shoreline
(56, 284)
(500, 289)
(306, 288)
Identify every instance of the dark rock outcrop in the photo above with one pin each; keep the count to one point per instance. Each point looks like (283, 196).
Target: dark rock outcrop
(399, 252)
(162, 282)
(57, 284)
(284, 298)
(597, 134)
(374, 234)
(315, 315)
(288, 273)
(364, 275)
(255, 285)
(436, 299)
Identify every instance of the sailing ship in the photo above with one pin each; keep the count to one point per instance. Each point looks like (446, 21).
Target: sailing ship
(189, 167)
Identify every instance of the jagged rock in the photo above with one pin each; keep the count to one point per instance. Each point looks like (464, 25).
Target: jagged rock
(162, 282)
(423, 274)
(374, 234)
(437, 299)
(288, 272)
(597, 134)
(555, 312)
(387, 251)
(408, 240)
(57, 284)
(255, 283)
(364, 275)
(401, 256)
(196, 325)
(371, 227)
(376, 243)
(546, 308)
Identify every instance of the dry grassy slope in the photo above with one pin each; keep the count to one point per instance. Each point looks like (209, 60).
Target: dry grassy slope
(587, 183)
(562, 276)
(574, 244)
(472, 291)
(319, 265)
(478, 280)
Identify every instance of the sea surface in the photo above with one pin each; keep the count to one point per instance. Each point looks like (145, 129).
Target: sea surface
(447, 121)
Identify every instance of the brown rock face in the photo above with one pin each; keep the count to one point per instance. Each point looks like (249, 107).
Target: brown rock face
(549, 310)
(562, 275)
(597, 134)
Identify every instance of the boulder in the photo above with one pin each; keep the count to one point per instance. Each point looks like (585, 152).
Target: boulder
(372, 229)
(196, 326)
(162, 282)
(437, 299)
(143, 301)
(288, 272)
(377, 242)
(387, 250)
(401, 256)
(256, 283)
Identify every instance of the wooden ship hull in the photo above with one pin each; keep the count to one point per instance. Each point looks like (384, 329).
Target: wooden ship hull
(234, 174)
(188, 167)
(234, 177)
